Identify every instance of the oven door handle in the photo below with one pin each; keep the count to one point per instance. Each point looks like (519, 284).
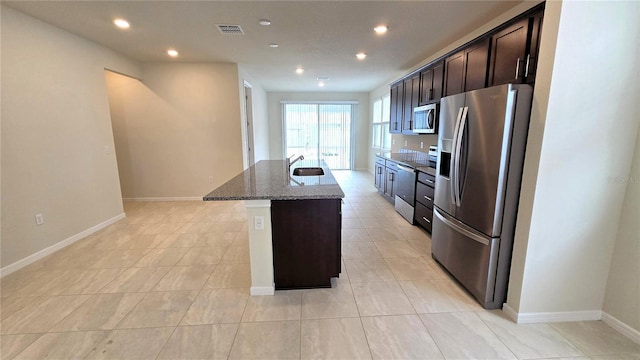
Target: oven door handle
(402, 167)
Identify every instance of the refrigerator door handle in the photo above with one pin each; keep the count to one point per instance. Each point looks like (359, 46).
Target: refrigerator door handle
(459, 228)
(458, 147)
(453, 156)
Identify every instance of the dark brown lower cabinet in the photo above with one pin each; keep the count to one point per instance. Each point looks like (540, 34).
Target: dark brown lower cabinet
(425, 189)
(306, 237)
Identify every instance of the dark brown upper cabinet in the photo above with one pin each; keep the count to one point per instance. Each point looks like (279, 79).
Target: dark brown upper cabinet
(411, 95)
(535, 28)
(506, 54)
(395, 121)
(466, 70)
(514, 52)
(431, 80)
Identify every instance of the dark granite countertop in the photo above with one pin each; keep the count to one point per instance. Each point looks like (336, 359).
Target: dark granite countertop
(268, 180)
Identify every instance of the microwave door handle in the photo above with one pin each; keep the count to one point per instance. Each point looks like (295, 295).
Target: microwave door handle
(452, 164)
(458, 147)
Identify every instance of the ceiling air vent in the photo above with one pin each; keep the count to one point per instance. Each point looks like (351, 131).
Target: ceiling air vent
(230, 29)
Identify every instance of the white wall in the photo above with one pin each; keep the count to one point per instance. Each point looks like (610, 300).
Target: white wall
(622, 299)
(591, 94)
(55, 129)
(362, 128)
(260, 118)
(175, 129)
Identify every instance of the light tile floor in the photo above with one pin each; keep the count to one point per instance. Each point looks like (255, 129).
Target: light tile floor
(171, 281)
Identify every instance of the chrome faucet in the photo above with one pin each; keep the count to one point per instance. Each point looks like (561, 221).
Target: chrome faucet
(291, 162)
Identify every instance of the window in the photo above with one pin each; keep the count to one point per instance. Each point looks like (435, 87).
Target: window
(319, 131)
(381, 136)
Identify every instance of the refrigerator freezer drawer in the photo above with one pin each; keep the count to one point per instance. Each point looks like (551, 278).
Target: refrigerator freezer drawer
(470, 257)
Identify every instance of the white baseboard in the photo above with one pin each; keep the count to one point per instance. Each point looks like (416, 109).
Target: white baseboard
(57, 246)
(177, 198)
(545, 317)
(511, 314)
(621, 327)
(263, 290)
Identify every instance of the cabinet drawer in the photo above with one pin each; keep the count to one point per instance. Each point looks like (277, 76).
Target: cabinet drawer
(424, 216)
(424, 195)
(427, 179)
(380, 161)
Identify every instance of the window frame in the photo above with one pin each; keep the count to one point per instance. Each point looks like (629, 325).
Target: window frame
(384, 107)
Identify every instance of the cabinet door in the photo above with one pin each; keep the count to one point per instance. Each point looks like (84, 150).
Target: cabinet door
(379, 177)
(535, 26)
(466, 70)
(438, 76)
(426, 86)
(407, 112)
(509, 54)
(476, 64)
(394, 120)
(390, 178)
(454, 74)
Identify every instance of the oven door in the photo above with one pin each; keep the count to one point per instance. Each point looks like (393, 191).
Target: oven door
(405, 192)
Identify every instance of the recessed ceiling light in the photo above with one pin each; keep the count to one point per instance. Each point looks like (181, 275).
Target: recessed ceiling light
(172, 52)
(264, 22)
(380, 29)
(322, 78)
(361, 55)
(299, 70)
(321, 84)
(273, 45)
(121, 23)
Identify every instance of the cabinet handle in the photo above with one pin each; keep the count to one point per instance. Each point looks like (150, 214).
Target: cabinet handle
(379, 170)
(429, 181)
(427, 220)
(526, 67)
(430, 94)
(517, 67)
(390, 176)
(428, 198)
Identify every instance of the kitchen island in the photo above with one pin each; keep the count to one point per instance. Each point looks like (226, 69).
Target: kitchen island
(294, 224)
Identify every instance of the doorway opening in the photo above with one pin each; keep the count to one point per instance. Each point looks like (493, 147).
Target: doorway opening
(248, 111)
(320, 131)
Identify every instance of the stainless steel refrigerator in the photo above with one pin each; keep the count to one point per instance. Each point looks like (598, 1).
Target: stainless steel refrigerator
(482, 140)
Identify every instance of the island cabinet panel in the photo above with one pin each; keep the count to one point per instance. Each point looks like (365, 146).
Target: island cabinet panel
(306, 236)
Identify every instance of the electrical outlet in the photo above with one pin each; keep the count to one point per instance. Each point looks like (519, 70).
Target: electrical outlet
(107, 150)
(405, 143)
(421, 144)
(393, 141)
(258, 222)
(39, 219)
(211, 178)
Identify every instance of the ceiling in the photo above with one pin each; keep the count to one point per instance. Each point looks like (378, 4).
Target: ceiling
(320, 36)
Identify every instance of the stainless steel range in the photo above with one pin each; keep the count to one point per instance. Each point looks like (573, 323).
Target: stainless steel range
(406, 192)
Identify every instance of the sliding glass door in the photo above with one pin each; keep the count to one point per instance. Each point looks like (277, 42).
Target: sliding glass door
(319, 131)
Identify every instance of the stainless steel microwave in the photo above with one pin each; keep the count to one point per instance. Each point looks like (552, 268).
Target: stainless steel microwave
(425, 119)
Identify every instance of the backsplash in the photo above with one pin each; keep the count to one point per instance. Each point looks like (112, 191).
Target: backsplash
(412, 142)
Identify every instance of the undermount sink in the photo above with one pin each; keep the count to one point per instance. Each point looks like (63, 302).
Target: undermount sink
(308, 171)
